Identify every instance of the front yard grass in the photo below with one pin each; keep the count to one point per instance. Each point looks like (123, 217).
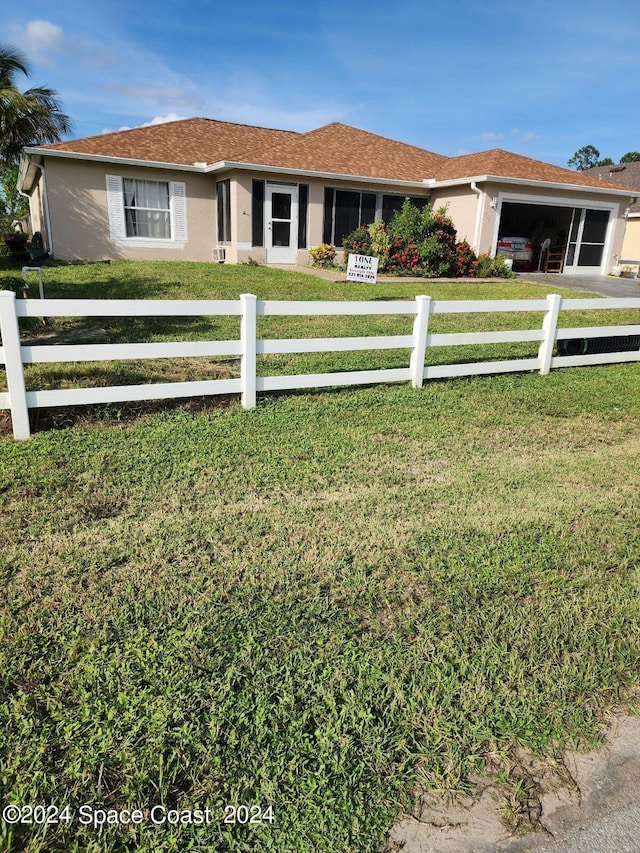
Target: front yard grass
(325, 604)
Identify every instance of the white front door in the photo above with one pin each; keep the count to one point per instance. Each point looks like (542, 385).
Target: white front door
(282, 223)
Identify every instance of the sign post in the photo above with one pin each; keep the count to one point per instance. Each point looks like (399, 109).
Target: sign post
(362, 268)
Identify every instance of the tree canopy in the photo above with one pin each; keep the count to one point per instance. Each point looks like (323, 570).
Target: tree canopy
(588, 156)
(584, 158)
(30, 117)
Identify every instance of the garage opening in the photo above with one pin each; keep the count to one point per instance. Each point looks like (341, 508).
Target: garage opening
(560, 239)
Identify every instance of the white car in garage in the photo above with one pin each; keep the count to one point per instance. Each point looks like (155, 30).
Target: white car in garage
(518, 249)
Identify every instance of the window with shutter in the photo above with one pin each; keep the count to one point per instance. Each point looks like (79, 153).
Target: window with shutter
(147, 214)
(178, 210)
(115, 206)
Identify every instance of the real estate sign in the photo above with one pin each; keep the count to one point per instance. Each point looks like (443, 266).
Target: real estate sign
(362, 268)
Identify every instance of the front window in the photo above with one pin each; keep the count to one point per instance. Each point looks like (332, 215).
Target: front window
(223, 192)
(392, 203)
(344, 211)
(146, 209)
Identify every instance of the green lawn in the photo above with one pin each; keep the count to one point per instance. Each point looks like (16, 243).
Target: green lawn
(324, 604)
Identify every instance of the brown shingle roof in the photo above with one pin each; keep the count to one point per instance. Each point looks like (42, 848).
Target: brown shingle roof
(505, 164)
(341, 149)
(623, 174)
(188, 141)
(335, 148)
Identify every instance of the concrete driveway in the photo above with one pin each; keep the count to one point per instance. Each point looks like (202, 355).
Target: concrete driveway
(602, 284)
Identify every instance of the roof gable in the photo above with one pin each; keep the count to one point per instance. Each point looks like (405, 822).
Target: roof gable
(340, 149)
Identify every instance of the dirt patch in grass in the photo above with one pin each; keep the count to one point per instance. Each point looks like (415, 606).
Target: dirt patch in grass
(525, 803)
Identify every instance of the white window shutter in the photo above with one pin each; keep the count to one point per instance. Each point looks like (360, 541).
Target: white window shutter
(115, 207)
(178, 191)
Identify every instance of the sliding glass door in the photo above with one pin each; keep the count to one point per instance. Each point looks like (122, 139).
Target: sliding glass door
(587, 240)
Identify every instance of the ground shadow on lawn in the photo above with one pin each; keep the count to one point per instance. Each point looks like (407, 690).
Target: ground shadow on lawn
(113, 414)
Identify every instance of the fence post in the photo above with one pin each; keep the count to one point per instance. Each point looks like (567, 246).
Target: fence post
(248, 334)
(420, 325)
(549, 326)
(13, 363)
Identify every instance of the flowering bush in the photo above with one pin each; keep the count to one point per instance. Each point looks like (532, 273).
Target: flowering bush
(323, 255)
(403, 256)
(357, 243)
(466, 261)
(421, 241)
(440, 248)
(429, 235)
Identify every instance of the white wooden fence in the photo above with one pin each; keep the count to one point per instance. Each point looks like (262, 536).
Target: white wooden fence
(15, 355)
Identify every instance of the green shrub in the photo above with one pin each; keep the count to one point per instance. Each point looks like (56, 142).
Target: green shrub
(323, 255)
(357, 243)
(421, 241)
(371, 240)
(14, 283)
(379, 243)
(433, 235)
(441, 257)
(489, 267)
(411, 223)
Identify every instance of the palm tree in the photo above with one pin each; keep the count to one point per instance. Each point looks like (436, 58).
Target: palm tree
(26, 118)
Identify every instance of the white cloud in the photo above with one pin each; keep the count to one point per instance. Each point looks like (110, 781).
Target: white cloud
(43, 40)
(488, 136)
(163, 119)
(154, 121)
(266, 115)
(524, 135)
(42, 36)
(249, 98)
(517, 136)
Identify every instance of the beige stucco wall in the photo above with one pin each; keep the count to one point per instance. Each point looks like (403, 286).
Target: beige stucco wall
(631, 243)
(462, 205)
(77, 199)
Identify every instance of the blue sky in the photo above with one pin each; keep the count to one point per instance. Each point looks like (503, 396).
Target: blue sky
(540, 78)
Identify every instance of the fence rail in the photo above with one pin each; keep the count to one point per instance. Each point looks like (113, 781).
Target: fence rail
(15, 355)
